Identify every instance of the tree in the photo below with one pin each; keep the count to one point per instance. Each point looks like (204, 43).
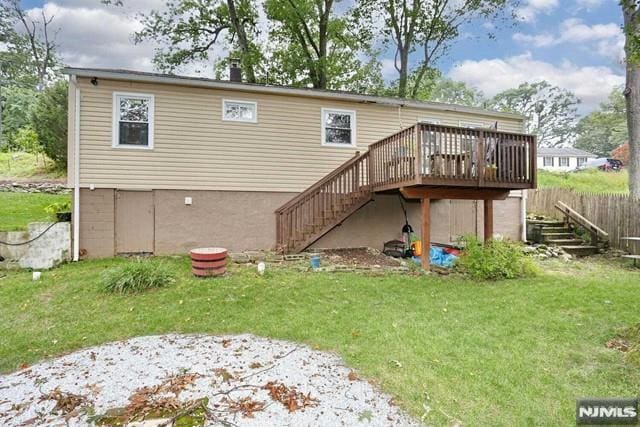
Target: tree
(631, 15)
(49, 121)
(17, 106)
(190, 29)
(308, 35)
(603, 130)
(32, 50)
(452, 92)
(425, 26)
(550, 112)
(621, 153)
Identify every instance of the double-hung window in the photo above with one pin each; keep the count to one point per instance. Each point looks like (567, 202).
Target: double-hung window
(563, 161)
(239, 111)
(133, 120)
(547, 161)
(338, 128)
(581, 161)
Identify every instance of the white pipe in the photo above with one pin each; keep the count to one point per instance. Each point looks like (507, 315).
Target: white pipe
(76, 173)
(523, 215)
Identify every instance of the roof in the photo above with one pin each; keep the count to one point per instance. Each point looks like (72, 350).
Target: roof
(569, 151)
(171, 79)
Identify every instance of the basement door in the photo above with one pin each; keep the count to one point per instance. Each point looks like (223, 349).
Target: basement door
(463, 219)
(134, 222)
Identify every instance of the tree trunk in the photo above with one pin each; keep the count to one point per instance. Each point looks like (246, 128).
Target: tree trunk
(243, 42)
(403, 70)
(632, 95)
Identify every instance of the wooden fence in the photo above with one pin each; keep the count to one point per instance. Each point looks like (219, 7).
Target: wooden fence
(617, 214)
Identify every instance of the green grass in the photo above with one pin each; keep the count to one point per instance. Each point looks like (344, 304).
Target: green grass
(508, 353)
(27, 166)
(19, 209)
(592, 181)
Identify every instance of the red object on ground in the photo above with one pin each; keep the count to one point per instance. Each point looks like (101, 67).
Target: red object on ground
(452, 251)
(208, 262)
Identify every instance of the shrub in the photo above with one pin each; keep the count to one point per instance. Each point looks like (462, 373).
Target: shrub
(137, 276)
(49, 121)
(494, 260)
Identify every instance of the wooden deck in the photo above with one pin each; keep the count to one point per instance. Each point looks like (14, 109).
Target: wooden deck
(424, 161)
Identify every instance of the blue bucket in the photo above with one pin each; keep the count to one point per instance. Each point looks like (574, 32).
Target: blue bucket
(315, 261)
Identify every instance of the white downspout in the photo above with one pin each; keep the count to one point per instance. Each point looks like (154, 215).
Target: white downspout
(523, 215)
(76, 174)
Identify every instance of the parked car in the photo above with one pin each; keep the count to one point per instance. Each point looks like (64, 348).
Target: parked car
(603, 164)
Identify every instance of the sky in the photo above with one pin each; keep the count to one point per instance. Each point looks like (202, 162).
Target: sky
(574, 44)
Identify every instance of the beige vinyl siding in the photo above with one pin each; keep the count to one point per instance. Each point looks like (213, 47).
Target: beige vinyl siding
(195, 149)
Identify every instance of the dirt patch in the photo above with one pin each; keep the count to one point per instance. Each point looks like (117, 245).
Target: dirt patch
(360, 257)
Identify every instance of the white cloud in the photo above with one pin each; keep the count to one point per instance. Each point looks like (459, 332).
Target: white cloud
(605, 39)
(591, 85)
(94, 35)
(529, 11)
(589, 4)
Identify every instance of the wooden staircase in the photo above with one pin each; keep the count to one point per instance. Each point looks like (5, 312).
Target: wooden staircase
(324, 205)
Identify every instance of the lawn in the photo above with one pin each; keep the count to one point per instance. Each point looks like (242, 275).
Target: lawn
(592, 181)
(507, 353)
(27, 166)
(19, 209)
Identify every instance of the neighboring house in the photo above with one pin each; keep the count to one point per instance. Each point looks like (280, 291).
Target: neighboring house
(162, 164)
(562, 159)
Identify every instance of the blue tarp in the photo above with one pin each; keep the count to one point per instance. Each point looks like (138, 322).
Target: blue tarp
(438, 256)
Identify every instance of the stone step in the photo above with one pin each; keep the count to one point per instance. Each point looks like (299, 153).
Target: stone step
(546, 223)
(554, 236)
(569, 242)
(556, 230)
(580, 250)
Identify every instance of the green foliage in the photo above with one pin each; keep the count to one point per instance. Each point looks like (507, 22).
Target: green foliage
(27, 165)
(17, 210)
(49, 121)
(137, 276)
(18, 103)
(26, 140)
(588, 180)
(550, 111)
(494, 260)
(188, 30)
(603, 130)
(452, 92)
(310, 36)
(57, 207)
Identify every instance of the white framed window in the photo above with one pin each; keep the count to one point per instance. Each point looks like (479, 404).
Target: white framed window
(338, 127)
(581, 161)
(429, 121)
(563, 161)
(133, 120)
(239, 111)
(470, 125)
(547, 161)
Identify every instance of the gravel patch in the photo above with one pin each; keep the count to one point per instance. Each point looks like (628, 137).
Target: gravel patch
(248, 381)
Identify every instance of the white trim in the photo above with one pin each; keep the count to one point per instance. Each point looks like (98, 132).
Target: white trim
(354, 139)
(429, 120)
(470, 125)
(76, 176)
(240, 101)
(115, 128)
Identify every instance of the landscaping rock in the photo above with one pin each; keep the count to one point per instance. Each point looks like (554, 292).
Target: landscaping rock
(240, 380)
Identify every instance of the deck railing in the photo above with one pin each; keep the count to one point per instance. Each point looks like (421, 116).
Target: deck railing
(445, 155)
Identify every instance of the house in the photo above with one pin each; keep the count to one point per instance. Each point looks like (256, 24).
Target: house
(161, 164)
(562, 159)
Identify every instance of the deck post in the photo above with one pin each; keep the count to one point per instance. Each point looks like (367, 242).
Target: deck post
(425, 207)
(488, 219)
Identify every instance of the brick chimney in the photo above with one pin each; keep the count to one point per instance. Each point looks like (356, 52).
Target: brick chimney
(235, 71)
